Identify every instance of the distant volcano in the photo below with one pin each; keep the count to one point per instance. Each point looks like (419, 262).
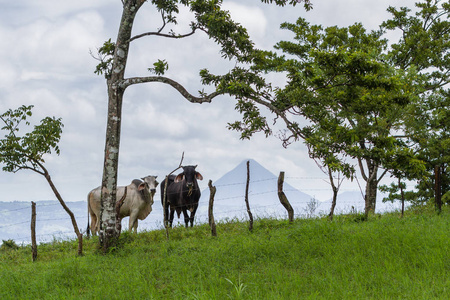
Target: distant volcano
(229, 201)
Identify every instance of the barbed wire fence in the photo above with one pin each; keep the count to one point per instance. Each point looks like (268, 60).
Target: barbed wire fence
(51, 227)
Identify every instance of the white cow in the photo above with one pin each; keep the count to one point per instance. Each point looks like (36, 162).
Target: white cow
(137, 204)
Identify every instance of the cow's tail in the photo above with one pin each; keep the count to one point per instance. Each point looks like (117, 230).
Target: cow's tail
(88, 231)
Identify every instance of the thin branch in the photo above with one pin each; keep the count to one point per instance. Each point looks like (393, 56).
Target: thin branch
(137, 80)
(278, 112)
(44, 170)
(19, 167)
(173, 36)
(179, 166)
(360, 188)
(372, 166)
(361, 168)
(382, 175)
(163, 20)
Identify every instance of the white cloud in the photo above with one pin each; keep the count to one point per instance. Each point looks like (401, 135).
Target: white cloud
(58, 47)
(251, 17)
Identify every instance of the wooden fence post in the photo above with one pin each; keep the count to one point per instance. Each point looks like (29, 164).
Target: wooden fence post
(283, 199)
(33, 231)
(250, 225)
(212, 224)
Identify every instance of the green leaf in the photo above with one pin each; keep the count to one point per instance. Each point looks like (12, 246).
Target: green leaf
(160, 67)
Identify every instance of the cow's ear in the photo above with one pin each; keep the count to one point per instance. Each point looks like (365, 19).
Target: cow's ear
(198, 176)
(142, 186)
(179, 177)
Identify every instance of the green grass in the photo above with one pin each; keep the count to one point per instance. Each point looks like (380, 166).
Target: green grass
(384, 257)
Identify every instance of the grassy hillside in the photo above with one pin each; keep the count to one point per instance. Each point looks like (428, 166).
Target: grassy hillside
(383, 258)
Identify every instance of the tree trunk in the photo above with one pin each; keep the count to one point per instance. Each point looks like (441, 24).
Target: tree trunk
(108, 233)
(402, 196)
(69, 212)
(371, 188)
(333, 204)
(335, 189)
(283, 199)
(437, 188)
(371, 196)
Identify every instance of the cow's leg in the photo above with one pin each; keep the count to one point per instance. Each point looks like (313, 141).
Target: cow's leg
(95, 225)
(135, 225)
(186, 217)
(191, 219)
(133, 222)
(172, 213)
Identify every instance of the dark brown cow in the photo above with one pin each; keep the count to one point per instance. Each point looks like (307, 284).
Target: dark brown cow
(183, 194)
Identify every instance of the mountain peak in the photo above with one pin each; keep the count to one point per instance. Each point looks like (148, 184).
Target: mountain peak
(229, 200)
(239, 173)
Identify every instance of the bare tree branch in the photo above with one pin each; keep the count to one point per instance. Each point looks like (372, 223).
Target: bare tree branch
(167, 35)
(361, 168)
(173, 36)
(191, 98)
(163, 20)
(382, 175)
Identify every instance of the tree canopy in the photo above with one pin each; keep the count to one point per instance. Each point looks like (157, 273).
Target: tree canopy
(28, 151)
(350, 93)
(425, 46)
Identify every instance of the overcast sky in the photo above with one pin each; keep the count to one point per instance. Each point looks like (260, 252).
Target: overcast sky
(45, 61)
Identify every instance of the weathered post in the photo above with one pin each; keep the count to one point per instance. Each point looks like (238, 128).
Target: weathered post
(33, 231)
(283, 199)
(250, 216)
(212, 223)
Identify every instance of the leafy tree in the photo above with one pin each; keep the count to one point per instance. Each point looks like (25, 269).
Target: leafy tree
(342, 98)
(209, 18)
(27, 152)
(424, 45)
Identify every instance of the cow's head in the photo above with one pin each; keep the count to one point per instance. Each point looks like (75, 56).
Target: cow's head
(189, 175)
(151, 183)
